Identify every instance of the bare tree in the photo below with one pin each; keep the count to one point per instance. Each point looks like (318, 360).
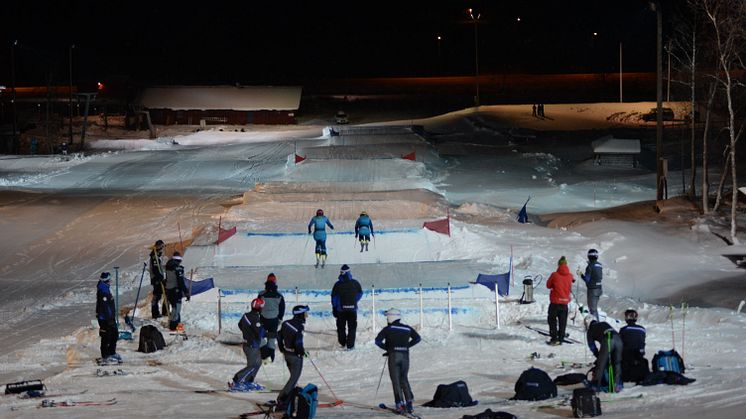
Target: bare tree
(705, 136)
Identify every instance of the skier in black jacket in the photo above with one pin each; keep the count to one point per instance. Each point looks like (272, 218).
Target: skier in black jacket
(345, 295)
(107, 320)
(634, 365)
(396, 339)
(176, 289)
(610, 351)
(272, 314)
(253, 334)
(157, 277)
(291, 345)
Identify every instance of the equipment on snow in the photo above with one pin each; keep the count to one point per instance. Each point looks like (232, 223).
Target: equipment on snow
(127, 319)
(151, 339)
(534, 384)
(395, 411)
(452, 395)
(668, 361)
(489, 414)
(529, 283)
(302, 402)
(71, 403)
(566, 339)
(23, 386)
(585, 403)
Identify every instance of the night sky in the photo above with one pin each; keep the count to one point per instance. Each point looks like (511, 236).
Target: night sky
(296, 42)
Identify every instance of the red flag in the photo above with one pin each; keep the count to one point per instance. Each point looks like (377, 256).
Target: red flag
(411, 156)
(224, 235)
(439, 226)
(299, 159)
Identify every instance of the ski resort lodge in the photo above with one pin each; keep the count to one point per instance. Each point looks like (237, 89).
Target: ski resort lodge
(231, 105)
(610, 151)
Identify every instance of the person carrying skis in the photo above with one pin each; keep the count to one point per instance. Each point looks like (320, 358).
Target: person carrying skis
(107, 320)
(610, 352)
(290, 343)
(157, 277)
(319, 223)
(345, 295)
(364, 230)
(592, 277)
(634, 364)
(176, 289)
(253, 334)
(396, 339)
(272, 314)
(560, 283)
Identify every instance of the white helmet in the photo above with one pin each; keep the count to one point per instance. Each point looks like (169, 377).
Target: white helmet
(392, 315)
(588, 320)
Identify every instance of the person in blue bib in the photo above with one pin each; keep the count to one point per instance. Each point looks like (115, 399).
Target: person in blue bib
(319, 223)
(364, 230)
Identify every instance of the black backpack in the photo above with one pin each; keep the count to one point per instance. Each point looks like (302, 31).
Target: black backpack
(534, 384)
(585, 403)
(151, 339)
(489, 414)
(451, 395)
(634, 369)
(668, 361)
(302, 402)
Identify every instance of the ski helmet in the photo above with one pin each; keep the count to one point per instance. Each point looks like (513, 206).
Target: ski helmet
(299, 310)
(257, 304)
(319, 212)
(363, 213)
(593, 254)
(392, 315)
(176, 256)
(630, 315)
(589, 320)
(105, 276)
(272, 278)
(159, 243)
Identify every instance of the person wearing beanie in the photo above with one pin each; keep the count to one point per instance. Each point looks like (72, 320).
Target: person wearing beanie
(560, 283)
(364, 230)
(634, 364)
(608, 354)
(319, 223)
(176, 289)
(157, 278)
(107, 320)
(290, 343)
(592, 277)
(272, 314)
(253, 334)
(345, 295)
(396, 339)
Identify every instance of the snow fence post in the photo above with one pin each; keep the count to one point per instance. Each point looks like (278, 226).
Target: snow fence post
(116, 299)
(422, 314)
(297, 296)
(373, 296)
(450, 317)
(497, 306)
(220, 312)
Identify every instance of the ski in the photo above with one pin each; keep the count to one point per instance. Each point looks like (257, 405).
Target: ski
(394, 411)
(566, 339)
(107, 362)
(269, 408)
(71, 403)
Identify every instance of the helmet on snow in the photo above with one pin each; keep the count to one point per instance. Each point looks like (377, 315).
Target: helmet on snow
(257, 304)
(319, 212)
(630, 315)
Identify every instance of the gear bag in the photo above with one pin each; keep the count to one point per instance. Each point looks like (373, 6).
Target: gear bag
(668, 361)
(585, 403)
(534, 384)
(151, 339)
(302, 403)
(451, 395)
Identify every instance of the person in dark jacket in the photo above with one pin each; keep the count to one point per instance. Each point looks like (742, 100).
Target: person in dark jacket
(319, 223)
(176, 289)
(609, 350)
(345, 295)
(157, 278)
(396, 339)
(107, 319)
(364, 230)
(290, 343)
(272, 314)
(634, 365)
(592, 277)
(253, 334)
(560, 284)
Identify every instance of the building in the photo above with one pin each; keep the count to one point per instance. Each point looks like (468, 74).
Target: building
(610, 151)
(230, 105)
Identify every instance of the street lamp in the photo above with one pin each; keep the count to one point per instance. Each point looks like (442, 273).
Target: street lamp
(475, 19)
(440, 59)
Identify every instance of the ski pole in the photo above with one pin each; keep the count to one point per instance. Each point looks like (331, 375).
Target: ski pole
(116, 300)
(684, 308)
(385, 361)
(608, 359)
(324, 379)
(673, 336)
(137, 298)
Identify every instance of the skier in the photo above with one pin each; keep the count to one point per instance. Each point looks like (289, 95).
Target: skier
(592, 278)
(364, 230)
(560, 284)
(634, 364)
(253, 334)
(272, 314)
(345, 295)
(157, 277)
(107, 320)
(610, 351)
(319, 223)
(291, 345)
(176, 289)
(396, 339)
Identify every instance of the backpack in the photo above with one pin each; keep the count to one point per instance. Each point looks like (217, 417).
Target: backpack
(451, 395)
(302, 402)
(151, 339)
(489, 414)
(534, 384)
(570, 379)
(668, 361)
(585, 403)
(635, 369)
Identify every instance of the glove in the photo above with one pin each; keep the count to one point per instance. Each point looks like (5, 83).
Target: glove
(385, 354)
(305, 354)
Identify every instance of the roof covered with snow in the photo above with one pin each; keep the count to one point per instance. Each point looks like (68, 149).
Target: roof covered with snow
(609, 144)
(237, 98)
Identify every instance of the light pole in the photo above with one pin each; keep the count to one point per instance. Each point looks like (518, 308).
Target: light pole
(475, 19)
(14, 146)
(440, 59)
(656, 6)
(70, 94)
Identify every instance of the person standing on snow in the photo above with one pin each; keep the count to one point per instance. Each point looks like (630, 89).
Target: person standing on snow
(253, 334)
(592, 277)
(634, 365)
(364, 230)
(396, 339)
(560, 284)
(157, 278)
(272, 314)
(319, 223)
(610, 352)
(176, 289)
(290, 343)
(107, 319)
(345, 295)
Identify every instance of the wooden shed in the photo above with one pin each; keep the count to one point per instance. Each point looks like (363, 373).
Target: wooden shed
(618, 152)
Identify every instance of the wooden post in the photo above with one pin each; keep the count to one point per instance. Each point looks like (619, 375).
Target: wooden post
(497, 306)
(450, 317)
(422, 313)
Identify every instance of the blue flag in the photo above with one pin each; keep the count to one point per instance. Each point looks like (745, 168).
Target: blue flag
(502, 281)
(198, 287)
(523, 214)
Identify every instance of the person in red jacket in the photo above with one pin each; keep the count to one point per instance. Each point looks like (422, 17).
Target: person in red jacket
(560, 284)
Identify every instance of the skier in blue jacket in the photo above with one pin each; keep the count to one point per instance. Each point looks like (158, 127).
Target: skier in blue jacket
(364, 230)
(346, 293)
(107, 320)
(319, 223)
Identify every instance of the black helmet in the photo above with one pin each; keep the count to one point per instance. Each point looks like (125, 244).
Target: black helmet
(593, 254)
(159, 243)
(319, 212)
(630, 315)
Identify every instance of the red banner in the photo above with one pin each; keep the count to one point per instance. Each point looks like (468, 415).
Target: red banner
(299, 159)
(224, 235)
(439, 226)
(411, 156)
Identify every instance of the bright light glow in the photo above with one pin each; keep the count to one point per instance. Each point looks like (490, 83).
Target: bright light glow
(439, 38)
(595, 33)
(100, 86)
(518, 19)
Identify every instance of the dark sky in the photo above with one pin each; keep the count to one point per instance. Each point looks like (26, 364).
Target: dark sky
(279, 41)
